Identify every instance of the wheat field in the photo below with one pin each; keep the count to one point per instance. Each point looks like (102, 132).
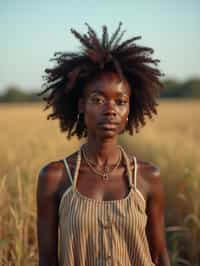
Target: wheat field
(28, 141)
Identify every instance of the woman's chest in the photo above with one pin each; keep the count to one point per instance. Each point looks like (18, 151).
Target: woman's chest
(89, 215)
(114, 187)
(104, 191)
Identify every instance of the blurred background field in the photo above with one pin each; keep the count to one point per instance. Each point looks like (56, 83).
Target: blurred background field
(28, 141)
(31, 32)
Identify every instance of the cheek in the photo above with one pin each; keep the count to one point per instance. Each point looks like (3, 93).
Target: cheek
(90, 116)
(124, 112)
(124, 115)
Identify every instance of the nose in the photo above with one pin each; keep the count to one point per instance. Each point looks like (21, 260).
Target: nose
(110, 108)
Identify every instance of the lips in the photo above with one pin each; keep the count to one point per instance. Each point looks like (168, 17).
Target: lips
(108, 124)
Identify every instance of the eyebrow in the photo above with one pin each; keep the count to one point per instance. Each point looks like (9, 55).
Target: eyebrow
(102, 93)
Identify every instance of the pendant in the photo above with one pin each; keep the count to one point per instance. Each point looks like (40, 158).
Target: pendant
(105, 177)
(106, 174)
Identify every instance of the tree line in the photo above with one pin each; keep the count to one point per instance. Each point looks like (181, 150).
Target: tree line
(172, 89)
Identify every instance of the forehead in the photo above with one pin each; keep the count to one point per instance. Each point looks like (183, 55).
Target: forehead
(107, 83)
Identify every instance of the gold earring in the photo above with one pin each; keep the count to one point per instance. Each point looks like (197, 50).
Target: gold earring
(78, 116)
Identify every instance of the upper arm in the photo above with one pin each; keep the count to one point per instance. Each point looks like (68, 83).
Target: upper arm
(47, 215)
(155, 228)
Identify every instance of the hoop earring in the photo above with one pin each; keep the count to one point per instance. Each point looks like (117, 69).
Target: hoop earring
(79, 118)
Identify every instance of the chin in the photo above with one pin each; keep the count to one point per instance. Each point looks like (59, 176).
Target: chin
(108, 134)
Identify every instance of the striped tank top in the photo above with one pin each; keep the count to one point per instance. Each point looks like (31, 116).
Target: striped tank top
(96, 232)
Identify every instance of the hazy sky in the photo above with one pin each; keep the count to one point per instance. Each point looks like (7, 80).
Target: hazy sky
(31, 31)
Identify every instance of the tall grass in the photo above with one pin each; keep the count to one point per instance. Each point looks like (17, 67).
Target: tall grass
(171, 141)
(28, 141)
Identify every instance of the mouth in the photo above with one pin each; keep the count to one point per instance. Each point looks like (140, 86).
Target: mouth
(108, 125)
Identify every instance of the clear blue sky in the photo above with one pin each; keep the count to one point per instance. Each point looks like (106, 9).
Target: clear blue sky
(31, 31)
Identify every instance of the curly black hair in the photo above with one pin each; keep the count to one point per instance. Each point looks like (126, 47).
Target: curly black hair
(65, 82)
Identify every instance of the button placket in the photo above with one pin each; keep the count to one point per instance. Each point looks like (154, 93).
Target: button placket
(107, 223)
(106, 226)
(108, 232)
(108, 258)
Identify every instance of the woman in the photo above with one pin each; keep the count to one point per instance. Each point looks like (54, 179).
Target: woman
(101, 206)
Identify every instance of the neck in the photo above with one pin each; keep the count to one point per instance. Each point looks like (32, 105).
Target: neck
(102, 153)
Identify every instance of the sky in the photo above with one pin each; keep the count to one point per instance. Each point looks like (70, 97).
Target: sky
(31, 31)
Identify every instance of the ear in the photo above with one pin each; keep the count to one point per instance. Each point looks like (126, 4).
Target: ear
(81, 105)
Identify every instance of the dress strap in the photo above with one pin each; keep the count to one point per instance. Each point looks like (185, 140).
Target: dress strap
(78, 163)
(135, 180)
(68, 170)
(129, 172)
(135, 173)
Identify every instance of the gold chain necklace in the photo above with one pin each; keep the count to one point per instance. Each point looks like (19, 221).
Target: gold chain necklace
(107, 171)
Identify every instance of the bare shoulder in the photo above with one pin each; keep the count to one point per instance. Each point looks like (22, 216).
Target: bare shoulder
(148, 176)
(51, 172)
(51, 177)
(151, 175)
(54, 171)
(149, 169)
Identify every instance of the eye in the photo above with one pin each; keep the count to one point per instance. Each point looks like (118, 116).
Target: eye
(121, 102)
(97, 99)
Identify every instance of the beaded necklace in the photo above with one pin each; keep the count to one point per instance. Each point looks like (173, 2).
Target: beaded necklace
(78, 163)
(105, 174)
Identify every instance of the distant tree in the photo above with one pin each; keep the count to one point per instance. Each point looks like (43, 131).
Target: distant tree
(187, 89)
(172, 89)
(191, 88)
(14, 94)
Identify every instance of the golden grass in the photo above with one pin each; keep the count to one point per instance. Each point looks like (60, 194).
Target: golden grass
(28, 141)
(171, 141)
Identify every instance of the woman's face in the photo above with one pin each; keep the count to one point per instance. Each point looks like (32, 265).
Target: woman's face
(105, 105)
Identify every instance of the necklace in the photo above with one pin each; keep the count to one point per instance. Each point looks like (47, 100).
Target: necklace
(105, 174)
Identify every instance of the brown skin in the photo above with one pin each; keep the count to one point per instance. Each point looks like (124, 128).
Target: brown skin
(106, 99)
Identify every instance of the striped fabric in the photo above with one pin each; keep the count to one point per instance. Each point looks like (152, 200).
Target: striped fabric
(100, 233)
